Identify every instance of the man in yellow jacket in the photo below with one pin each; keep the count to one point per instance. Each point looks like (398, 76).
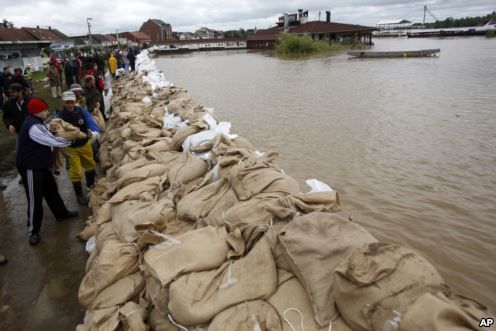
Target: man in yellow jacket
(112, 64)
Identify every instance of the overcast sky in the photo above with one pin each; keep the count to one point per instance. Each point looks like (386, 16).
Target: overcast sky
(69, 16)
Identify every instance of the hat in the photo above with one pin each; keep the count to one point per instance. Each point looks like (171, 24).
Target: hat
(15, 87)
(75, 88)
(36, 105)
(68, 96)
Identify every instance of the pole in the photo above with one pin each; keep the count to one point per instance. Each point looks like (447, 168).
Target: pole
(89, 30)
(425, 9)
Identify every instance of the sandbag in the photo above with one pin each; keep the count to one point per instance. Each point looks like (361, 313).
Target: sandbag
(141, 174)
(314, 244)
(437, 312)
(377, 275)
(291, 295)
(115, 261)
(251, 178)
(146, 190)
(120, 292)
(133, 317)
(176, 143)
(197, 297)
(186, 170)
(198, 204)
(128, 214)
(198, 250)
(247, 316)
(61, 128)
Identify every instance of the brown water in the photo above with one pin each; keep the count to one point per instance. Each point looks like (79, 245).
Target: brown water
(410, 144)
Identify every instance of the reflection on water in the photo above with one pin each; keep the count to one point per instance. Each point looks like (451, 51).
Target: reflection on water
(410, 144)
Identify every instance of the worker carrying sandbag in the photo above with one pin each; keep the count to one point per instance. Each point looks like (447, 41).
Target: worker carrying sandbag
(80, 152)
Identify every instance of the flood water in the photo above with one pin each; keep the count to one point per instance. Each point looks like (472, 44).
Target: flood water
(409, 144)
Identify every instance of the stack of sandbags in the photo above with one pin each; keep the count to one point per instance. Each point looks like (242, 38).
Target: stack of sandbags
(193, 228)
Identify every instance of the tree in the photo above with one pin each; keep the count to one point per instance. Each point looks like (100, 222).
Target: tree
(7, 24)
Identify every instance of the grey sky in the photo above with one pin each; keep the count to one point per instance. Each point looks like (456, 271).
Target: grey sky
(69, 16)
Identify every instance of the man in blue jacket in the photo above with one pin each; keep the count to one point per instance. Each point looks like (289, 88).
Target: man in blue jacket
(33, 161)
(80, 152)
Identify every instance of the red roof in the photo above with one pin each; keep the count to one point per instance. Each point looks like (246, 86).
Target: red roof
(43, 34)
(140, 35)
(110, 37)
(15, 34)
(309, 27)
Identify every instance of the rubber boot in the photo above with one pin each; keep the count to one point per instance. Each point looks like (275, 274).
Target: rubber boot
(90, 178)
(81, 199)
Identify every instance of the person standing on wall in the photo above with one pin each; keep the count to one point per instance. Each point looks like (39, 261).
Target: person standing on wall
(55, 82)
(80, 152)
(34, 160)
(125, 60)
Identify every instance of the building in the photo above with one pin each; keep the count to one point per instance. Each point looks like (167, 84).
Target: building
(317, 30)
(59, 41)
(136, 38)
(394, 28)
(207, 33)
(19, 48)
(201, 45)
(158, 30)
(111, 40)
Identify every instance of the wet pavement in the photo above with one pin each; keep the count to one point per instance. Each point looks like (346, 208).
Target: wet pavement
(39, 284)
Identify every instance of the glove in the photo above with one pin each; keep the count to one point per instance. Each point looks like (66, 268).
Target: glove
(93, 136)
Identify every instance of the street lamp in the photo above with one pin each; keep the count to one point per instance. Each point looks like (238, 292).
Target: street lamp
(89, 29)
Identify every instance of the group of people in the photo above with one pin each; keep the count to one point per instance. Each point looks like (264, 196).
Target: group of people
(24, 116)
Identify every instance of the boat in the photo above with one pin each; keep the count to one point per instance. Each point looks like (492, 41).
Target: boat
(374, 54)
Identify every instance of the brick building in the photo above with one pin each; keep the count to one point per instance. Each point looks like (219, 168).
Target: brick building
(158, 30)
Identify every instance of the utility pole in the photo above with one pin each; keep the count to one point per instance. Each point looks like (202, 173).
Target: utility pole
(89, 30)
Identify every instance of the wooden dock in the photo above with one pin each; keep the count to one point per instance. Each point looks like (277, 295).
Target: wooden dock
(390, 54)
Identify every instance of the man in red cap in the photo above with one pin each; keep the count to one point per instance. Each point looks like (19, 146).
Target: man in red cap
(34, 160)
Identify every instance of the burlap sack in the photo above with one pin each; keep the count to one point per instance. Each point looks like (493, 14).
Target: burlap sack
(194, 251)
(141, 174)
(186, 169)
(291, 295)
(106, 319)
(133, 317)
(146, 190)
(317, 201)
(314, 244)
(176, 143)
(251, 178)
(216, 216)
(261, 209)
(198, 204)
(140, 132)
(61, 128)
(59, 159)
(247, 316)
(160, 322)
(157, 295)
(128, 214)
(120, 292)
(197, 297)
(436, 312)
(377, 275)
(99, 120)
(115, 261)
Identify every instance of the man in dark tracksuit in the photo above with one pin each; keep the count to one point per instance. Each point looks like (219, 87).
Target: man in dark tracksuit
(15, 109)
(34, 160)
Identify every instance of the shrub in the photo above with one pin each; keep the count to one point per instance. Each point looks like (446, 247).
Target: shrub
(290, 44)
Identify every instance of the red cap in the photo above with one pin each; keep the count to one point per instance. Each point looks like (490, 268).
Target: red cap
(36, 105)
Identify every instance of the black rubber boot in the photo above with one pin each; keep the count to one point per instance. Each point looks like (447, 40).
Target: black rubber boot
(81, 199)
(90, 178)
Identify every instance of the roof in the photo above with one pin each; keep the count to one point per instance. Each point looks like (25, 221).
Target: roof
(43, 34)
(110, 37)
(140, 35)
(99, 37)
(394, 22)
(309, 27)
(158, 22)
(18, 35)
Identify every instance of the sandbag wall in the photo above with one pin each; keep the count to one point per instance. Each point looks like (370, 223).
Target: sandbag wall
(193, 228)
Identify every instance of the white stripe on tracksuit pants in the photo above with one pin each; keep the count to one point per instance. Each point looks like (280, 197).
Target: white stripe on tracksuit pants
(39, 184)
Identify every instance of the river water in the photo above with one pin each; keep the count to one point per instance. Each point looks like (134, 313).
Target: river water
(409, 144)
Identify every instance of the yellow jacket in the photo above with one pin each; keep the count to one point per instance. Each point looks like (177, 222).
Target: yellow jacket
(112, 64)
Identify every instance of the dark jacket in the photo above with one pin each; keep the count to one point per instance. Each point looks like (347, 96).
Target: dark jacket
(80, 118)
(20, 80)
(92, 96)
(5, 81)
(14, 113)
(31, 154)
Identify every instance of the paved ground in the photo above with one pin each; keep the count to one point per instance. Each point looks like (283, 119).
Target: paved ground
(39, 284)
